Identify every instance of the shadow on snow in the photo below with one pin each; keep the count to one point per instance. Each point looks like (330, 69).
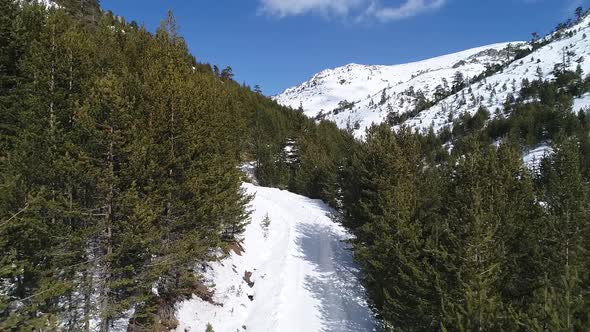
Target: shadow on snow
(336, 284)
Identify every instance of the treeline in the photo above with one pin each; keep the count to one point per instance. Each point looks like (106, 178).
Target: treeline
(119, 157)
(293, 152)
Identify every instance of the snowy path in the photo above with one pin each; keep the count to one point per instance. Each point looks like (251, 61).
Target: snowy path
(303, 273)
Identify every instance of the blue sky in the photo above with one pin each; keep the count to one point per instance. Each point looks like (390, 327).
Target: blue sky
(281, 43)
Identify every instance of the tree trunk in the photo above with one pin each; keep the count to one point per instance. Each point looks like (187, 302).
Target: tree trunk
(108, 235)
(87, 277)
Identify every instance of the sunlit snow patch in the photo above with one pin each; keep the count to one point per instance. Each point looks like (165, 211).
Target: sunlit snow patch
(303, 275)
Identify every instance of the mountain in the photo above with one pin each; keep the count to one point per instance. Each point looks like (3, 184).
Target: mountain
(432, 92)
(358, 95)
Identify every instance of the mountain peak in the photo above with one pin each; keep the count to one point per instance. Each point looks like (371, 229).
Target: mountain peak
(348, 94)
(432, 92)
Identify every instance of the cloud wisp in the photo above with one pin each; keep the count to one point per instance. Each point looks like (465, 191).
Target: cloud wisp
(359, 10)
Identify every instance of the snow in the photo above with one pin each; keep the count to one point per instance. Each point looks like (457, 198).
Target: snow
(533, 158)
(45, 3)
(366, 85)
(582, 103)
(493, 91)
(303, 273)
(249, 171)
(48, 3)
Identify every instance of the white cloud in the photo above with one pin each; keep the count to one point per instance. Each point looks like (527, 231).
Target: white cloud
(407, 9)
(358, 9)
(298, 7)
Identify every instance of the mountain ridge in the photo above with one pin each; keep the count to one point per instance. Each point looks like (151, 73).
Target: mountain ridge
(432, 92)
(357, 83)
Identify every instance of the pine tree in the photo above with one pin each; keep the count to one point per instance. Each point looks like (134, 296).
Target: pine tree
(563, 298)
(493, 217)
(8, 76)
(390, 244)
(134, 175)
(475, 304)
(50, 223)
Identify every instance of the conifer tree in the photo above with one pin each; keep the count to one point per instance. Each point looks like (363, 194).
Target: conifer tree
(8, 66)
(400, 289)
(134, 175)
(563, 298)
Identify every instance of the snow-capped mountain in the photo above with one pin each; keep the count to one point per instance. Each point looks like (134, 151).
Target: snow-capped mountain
(358, 95)
(355, 96)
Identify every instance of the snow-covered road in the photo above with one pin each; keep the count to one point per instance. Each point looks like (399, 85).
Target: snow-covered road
(303, 273)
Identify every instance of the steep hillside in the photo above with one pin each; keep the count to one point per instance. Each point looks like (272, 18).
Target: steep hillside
(569, 50)
(120, 184)
(433, 92)
(357, 95)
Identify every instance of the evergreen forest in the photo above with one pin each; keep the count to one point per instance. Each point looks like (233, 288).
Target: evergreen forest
(120, 157)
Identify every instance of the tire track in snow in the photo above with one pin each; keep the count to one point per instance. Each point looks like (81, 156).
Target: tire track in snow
(304, 274)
